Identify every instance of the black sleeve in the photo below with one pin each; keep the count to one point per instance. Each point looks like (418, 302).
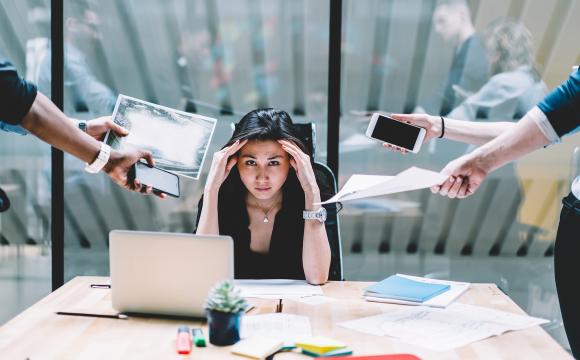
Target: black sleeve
(16, 93)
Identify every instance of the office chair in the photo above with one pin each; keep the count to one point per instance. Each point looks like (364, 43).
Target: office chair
(328, 185)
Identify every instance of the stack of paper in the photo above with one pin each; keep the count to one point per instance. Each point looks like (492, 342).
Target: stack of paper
(402, 288)
(442, 300)
(323, 347)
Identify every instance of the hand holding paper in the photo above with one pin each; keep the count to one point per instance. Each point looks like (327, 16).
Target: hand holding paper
(363, 186)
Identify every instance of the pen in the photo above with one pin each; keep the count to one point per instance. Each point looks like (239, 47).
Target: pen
(250, 309)
(183, 341)
(100, 286)
(117, 316)
(198, 338)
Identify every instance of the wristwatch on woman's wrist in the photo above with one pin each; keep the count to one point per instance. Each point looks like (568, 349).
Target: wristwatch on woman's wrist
(319, 215)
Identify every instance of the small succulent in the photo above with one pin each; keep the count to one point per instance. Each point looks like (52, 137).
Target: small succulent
(226, 298)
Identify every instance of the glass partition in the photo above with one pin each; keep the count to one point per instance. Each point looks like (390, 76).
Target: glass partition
(25, 248)
(216, 58)
(474, 61)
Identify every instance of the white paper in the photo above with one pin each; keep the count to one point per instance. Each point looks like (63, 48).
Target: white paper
(280, 326)
(442, 329)
(442, 300)
(363, 186)
(276, 289)
(316, 300)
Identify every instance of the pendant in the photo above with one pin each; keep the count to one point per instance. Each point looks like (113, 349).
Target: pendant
(266, 220)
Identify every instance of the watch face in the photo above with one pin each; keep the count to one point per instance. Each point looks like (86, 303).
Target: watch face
(321, 214)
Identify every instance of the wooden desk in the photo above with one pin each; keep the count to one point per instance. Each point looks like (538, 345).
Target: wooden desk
(38, 333)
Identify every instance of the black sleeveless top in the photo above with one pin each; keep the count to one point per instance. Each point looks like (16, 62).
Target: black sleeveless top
(284, 259)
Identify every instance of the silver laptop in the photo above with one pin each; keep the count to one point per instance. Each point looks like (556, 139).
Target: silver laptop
(166, 273)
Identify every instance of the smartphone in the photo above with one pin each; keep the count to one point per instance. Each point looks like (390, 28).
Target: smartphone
(396, 133)
(161, 180)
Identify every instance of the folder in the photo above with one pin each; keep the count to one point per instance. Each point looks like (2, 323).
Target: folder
(400, 288)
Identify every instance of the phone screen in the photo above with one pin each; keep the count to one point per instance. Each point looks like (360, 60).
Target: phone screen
(395, 132)
(161, 180)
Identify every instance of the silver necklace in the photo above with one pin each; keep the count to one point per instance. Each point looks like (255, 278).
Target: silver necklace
(266, 212)
(266, 220)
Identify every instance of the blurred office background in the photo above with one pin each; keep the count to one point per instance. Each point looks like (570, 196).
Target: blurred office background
(223, 58)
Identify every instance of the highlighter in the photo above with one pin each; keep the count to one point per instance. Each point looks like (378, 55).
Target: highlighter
(183, 341)
(198, 338)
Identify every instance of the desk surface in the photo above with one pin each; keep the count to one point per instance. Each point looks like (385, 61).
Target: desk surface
(38, 333)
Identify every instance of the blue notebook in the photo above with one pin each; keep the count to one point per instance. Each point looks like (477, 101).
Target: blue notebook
(400, 288)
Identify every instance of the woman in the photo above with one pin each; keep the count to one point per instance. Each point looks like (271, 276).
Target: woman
(257, 188)
(515, 86)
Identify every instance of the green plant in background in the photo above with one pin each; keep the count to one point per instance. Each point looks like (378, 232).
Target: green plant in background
(226, 298)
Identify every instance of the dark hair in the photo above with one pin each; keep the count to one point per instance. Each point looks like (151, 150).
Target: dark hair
(266, 124)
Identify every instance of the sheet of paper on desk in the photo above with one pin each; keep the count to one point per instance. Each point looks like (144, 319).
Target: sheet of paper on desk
(442, 329)
(285, 327)
(363, 186)
(277, 288)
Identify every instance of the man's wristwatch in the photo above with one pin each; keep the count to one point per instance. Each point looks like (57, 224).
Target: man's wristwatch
(101, 160)
(82, 125)
(319, 215)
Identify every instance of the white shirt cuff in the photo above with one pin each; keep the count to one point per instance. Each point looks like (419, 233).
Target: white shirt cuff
(544, 125)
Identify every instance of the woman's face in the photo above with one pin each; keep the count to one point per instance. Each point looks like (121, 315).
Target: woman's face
(263, 167)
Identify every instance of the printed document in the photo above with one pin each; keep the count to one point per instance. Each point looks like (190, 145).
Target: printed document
(363, 186)
(442, 329)
(280, 326)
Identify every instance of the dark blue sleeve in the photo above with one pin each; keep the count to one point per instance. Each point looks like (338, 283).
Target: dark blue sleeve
(562, 105)
(16, 94)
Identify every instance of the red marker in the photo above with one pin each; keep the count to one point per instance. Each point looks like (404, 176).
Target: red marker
(183, 340)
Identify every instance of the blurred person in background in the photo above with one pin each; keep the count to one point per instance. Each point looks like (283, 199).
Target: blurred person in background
(469, 67)
(84, 91)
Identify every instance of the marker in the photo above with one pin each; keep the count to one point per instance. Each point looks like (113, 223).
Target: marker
(183, 341)
(198, 338)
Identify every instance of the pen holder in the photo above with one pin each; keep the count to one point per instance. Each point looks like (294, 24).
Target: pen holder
(224, 328)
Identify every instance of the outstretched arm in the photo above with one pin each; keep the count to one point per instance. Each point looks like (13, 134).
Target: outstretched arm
(466, 173)
(51, 125)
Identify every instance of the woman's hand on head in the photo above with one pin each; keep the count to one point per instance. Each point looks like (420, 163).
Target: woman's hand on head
(300, 161)
(222, 163)
(430, 123)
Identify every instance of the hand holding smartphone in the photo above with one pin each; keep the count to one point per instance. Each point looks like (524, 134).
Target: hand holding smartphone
(394, 132)
(161, 180)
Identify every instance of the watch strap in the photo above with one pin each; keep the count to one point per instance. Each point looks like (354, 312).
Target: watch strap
(100, 161)
(319, 214)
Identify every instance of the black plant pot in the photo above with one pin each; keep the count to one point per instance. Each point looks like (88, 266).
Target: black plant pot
(224, 328)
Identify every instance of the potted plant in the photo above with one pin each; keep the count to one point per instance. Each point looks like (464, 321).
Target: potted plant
(224, 307)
